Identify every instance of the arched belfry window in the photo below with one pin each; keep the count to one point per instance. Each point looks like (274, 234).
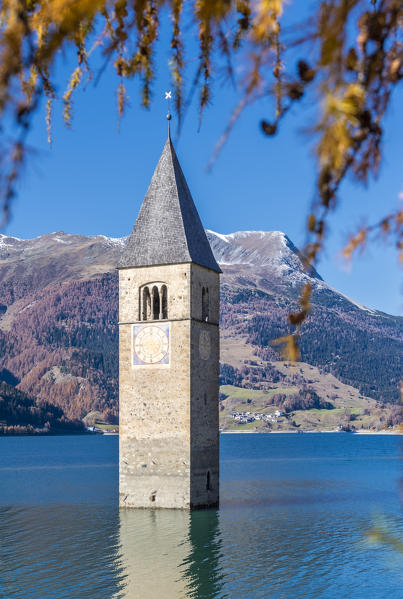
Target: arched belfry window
(153, 301)
(205, 304)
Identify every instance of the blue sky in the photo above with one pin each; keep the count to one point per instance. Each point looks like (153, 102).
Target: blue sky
(93, 179)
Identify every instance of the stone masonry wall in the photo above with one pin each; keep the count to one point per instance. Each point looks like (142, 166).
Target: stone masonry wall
(204, 368)
(169, 413)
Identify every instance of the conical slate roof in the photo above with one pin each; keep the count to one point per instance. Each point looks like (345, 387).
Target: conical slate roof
(168, 229)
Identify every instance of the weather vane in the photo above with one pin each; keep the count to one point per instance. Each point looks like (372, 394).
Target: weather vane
(168, 97)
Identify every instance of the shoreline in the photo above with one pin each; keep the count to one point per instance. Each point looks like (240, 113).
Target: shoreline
(293, 432)
(226, 432)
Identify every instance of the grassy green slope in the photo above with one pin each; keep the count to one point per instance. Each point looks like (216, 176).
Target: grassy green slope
(360, 413)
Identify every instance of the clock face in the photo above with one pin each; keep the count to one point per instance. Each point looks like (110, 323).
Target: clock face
(204, 345)
(150, 344)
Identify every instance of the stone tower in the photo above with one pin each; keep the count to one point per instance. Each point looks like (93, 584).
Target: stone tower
(168, 351)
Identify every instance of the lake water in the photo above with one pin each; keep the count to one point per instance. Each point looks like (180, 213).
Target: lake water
(294, 521)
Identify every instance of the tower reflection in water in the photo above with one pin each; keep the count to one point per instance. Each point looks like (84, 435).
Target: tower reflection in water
(170, 554)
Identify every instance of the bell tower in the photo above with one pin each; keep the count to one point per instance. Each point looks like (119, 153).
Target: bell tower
(169, 294)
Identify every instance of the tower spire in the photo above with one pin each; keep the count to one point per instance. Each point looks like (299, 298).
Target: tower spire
(168, 229)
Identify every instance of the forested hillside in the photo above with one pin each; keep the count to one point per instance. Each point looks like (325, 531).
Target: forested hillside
(63, 346)
(20, 414)
(350, 344)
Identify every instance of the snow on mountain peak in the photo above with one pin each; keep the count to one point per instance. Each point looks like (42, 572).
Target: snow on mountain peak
(256, 248)
(115, 241)
(4, 238)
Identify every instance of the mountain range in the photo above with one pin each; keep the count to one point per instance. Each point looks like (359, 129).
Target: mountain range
(58, 315)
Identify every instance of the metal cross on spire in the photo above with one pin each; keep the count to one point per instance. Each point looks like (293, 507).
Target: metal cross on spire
(168, 97)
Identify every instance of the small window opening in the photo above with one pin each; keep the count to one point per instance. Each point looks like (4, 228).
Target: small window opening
(156, 304)
(164, 302)
(205, 304)
(146, 311)
(208, 482)
(153, 495)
